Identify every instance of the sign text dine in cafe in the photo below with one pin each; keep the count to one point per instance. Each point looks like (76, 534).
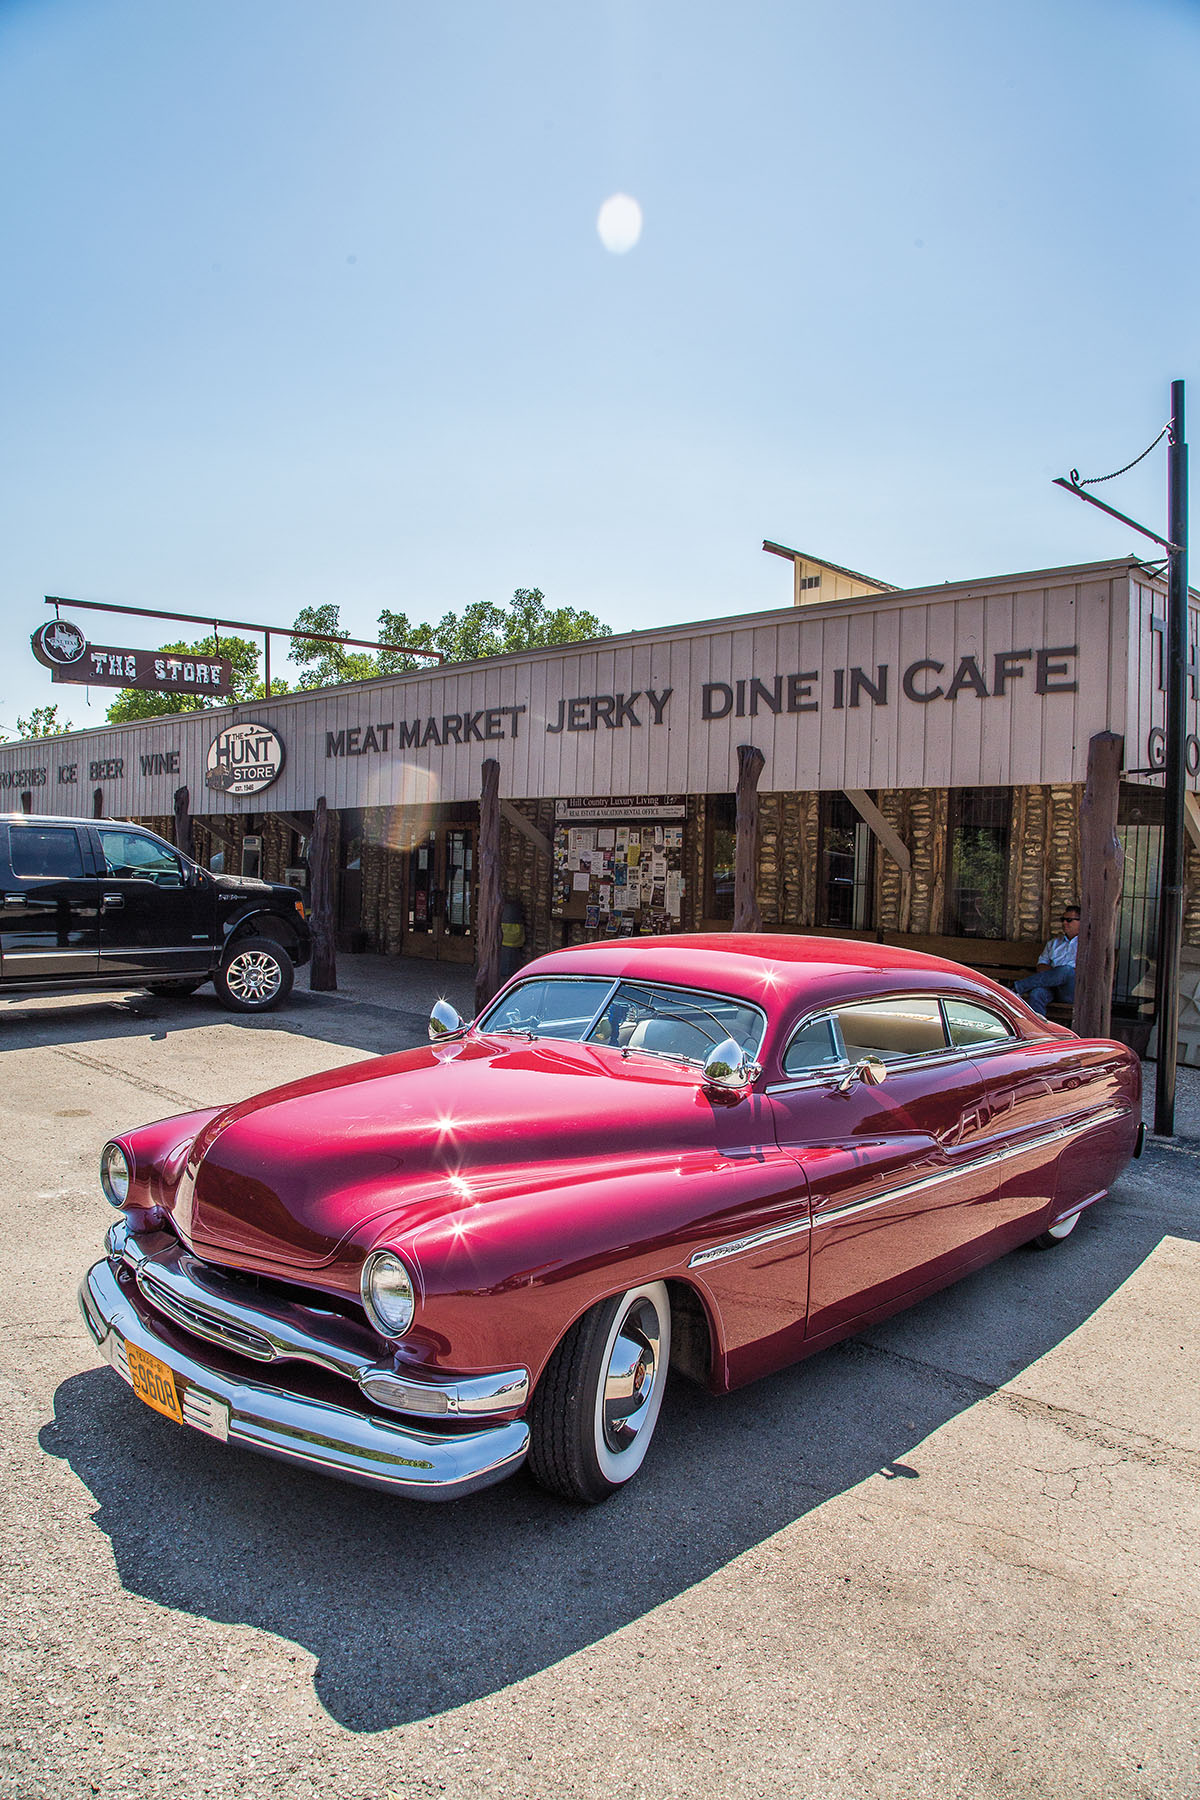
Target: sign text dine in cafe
(925, 681)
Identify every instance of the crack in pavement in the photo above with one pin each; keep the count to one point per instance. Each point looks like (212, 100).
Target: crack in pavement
(119, 1074)
(1083, 1427)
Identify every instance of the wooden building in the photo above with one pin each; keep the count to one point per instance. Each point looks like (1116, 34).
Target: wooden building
(923, 755)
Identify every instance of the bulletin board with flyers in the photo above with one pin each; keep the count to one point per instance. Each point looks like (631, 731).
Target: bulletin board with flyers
(618, 864)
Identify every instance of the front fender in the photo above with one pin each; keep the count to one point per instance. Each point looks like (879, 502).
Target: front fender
(501, 1280)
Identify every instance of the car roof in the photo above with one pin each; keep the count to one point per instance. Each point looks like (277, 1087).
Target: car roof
(773, 970)
(24, 818)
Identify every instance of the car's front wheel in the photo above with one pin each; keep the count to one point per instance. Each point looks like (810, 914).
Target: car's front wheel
(595, 1408)
(256, 975)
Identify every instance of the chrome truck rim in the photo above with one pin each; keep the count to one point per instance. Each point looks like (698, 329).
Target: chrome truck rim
(253, 976)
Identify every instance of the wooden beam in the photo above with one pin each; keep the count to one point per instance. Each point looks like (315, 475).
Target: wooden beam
(322, 977)
(1102, 864)
(487, 923)
(294, 822)
(183, 821)
(746, 915)
(892, 844)
(218, 829)
(1191, 816)
(520, 823)
(887, 835)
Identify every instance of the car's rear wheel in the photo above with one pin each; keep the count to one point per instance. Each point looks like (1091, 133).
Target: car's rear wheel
(1055, 1234)
(595, 1408)
(170, 989)
(256, 975)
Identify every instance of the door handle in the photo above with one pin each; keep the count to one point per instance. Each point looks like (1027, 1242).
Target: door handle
(112, 901)
(14, 899)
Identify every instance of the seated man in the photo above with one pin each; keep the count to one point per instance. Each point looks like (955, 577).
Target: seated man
(1054, 977)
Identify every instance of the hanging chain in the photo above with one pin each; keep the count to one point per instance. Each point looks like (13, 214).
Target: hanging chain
(1095, 480)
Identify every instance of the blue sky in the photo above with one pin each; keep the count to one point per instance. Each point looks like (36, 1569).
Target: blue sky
(305, 301)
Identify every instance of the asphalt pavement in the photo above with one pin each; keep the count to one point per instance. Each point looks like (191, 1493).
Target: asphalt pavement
(956, 1556)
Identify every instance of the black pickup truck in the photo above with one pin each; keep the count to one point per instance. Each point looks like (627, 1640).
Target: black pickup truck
(95, 903)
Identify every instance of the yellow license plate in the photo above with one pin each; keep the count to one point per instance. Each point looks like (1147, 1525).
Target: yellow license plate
(153, 1382)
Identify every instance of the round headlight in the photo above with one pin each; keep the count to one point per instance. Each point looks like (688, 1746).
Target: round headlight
(115, 1174)
(387, 1293)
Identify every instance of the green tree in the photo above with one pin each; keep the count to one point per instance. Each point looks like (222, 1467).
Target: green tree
(43, 721)
(148, 703)
(327, 665)
(482, 629)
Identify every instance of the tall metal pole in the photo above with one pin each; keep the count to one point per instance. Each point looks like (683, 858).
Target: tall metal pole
(1170, 902)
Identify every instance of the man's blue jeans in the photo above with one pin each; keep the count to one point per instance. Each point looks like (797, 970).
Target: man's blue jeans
(1045, 985)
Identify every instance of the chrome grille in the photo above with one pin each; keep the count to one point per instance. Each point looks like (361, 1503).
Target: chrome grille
(214, 1326)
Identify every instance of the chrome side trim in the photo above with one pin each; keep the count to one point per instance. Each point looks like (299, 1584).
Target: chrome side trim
(738, 1246)
(420, 1465)
(718, 1252)
(212, 1306)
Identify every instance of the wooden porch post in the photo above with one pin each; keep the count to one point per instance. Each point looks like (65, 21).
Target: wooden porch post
(97, 803)
(183, 822)
(487, 925)
(746, 916)
(323, 973)
(1101, 868)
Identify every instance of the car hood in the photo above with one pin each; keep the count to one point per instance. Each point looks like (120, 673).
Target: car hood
(250, 885)
(287, 1177)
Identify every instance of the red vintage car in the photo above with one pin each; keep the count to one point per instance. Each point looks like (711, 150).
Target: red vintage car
(712, 1154)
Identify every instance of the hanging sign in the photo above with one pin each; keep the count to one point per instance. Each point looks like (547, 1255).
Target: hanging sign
(61, 647)
(58, 644)
(244, 759)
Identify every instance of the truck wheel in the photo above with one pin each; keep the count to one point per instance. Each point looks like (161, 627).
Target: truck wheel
(256, 975)
(595, 1408)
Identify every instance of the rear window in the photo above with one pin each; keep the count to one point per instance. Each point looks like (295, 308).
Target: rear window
(971, 1025)
(45, 850)
(892, 1029)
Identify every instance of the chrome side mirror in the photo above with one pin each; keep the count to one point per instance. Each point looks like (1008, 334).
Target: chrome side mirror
(443, 1020)
(728, 1066)
(871, 1071)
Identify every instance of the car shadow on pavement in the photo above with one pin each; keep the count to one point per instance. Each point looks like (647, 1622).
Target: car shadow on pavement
(412, 1609)
(352, 1025)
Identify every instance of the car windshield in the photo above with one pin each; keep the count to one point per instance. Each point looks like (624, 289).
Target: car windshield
(631, 1015)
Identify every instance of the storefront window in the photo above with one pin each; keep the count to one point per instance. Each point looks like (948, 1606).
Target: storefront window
(719, 850)
(1139, 829)
(420, 886)
(846, 856)
(979, 821)
(460, 870)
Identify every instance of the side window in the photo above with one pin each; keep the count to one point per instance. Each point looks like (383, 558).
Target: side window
(814, 1046)
(891, 1029)
(130, 856)
(45, 850)
(971, 1025)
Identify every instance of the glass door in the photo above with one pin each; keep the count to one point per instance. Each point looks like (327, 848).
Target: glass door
(440, 879)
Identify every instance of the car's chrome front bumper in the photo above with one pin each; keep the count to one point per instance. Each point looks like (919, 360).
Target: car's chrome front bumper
(358, 1446)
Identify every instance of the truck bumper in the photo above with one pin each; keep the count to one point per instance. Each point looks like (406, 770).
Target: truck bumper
(336, 1440)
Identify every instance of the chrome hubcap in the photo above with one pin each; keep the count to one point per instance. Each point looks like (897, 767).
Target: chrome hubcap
(1065, 1227)
(631, 1375)
(253, 976)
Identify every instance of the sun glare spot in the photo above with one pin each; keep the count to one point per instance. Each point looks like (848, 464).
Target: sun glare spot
(619, 223)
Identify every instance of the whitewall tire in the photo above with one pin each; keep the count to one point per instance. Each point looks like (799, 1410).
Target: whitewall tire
(596, 1406)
